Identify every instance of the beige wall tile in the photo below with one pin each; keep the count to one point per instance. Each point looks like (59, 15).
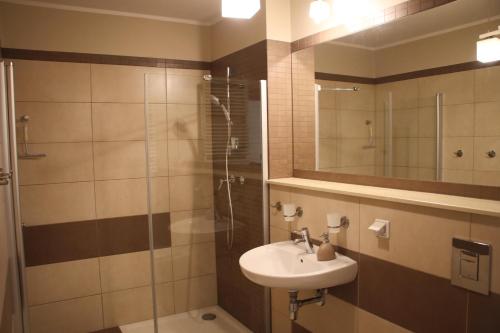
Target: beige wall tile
(487, 84)
(119, 160)
(279, 235)
(327, 153)
(164, 271)
(280, 301)
(451, 146)
(195, 293)
(187, 121)
(165, 299)
(56, 122)
(185, 89)
(405, 152)
(65, 162)
(50, 81)
(343, 314)
(125, 121)
(112, 83)
(364, 99)
(127, 306)
(72, 316)
(481, 147)
(132, 270)
(160, 194)
(56, 203)
(125, 271)
(192, 192)
(458, 176)
(488, 178)
(420, 237)
(352, 123)
(280, 323)
(158, 158)
(458, 120)
(370, 323)
(44, 282)
(427, 152)
(129, 197)
(121, 197)
(405, 123)
(487, 229)
(193, 260)
(192, 227)
(350, 152)
(118, 121)
(427, 122)
(487, 119)
(404, 94)
(327, 123)
(188, 157)
(458, 88)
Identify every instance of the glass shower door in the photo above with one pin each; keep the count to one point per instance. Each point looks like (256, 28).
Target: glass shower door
(10, 291)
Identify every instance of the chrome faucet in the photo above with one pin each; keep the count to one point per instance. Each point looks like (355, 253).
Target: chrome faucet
(304, 238)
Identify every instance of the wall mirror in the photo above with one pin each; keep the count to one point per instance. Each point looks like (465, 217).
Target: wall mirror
(409, 100)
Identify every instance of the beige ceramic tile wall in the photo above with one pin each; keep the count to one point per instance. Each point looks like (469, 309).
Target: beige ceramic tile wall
(470, 105)
(344, 134)
(89, 119)
(420, 239)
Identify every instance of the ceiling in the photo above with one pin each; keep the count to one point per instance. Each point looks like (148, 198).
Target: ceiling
(189, 11)
(455, 14)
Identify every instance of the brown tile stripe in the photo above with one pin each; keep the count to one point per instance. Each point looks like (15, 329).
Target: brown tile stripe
(343, 78)
(53, 243)
(101, 59)
(465, 190)
(109, 330)
(296, 328)
(466, 66)
(411, 299)
(484, 313)
(415, 300)
(407, 8)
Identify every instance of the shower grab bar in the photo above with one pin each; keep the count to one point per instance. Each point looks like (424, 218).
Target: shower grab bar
(24, 119)
(439, 136)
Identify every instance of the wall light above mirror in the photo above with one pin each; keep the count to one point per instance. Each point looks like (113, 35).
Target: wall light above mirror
(407, 99)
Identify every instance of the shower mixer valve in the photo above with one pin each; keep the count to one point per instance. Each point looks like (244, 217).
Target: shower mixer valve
(232, 180)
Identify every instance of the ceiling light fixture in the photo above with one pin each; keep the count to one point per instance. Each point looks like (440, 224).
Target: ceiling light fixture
(241, 9)
(319, 10)
(488, 46)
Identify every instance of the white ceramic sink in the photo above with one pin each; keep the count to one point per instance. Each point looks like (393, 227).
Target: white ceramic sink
(287, 265)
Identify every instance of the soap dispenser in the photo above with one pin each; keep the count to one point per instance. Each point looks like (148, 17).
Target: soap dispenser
(326, 251)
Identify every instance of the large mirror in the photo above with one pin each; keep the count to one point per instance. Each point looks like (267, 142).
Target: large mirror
(408, 99)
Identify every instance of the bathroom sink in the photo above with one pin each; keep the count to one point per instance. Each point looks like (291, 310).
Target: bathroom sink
(287, 265)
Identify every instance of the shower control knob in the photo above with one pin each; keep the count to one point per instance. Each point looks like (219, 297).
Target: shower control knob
(491, 154)
(459, 153)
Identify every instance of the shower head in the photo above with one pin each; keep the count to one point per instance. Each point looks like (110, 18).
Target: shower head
(217, 102)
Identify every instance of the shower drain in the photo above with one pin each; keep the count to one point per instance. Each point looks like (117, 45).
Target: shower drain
(208, 316)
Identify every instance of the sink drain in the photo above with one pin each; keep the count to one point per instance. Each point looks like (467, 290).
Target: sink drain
(208, 316)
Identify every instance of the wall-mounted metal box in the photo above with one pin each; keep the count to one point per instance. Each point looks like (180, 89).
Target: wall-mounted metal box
(470, 268)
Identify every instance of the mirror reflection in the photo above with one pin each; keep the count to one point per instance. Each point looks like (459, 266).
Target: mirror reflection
(409, 99)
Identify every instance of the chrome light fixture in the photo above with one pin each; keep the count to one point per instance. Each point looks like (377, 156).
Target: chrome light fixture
(241, 9)
(488, 46)
(319, 10)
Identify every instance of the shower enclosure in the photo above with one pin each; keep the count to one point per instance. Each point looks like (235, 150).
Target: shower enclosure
(117, 221)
